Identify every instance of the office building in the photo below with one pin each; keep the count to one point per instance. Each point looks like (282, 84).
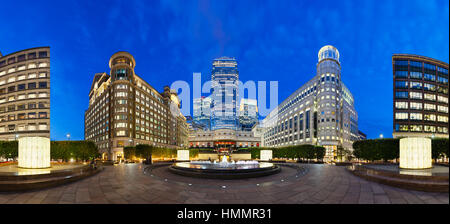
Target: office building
(224, 81)
(202, 112)
(124, 110)
(248, 114)
(321, 112)
(25, 94)
(420, 96)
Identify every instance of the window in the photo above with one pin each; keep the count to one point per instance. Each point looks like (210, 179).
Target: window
(31, 106)
(428, 128)
(428, 106)
(31, 55)
(42, 54)
(443, 109)
(32, 115)
(429, 66)
(415, 75)
(42, 85)
(429, 77)
(415, 106)
(32, 85)
(404, 63)
(21, 87)
(21, 116)
(401, 84)
(401, 116)
(442, 99)
(21, 57)
(42, 114)
(400, 127)
(429, 87)
(431, 97)
(415, 63)
(415, 116)
(442, 118)
(401, 95)
(401, 74)
(21, 107)
(429, 117)
(415, 95)
(11, 89)
(415, 128)
(416, 85)
(401, 105)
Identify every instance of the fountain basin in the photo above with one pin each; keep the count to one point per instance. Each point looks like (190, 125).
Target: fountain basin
(224, 171)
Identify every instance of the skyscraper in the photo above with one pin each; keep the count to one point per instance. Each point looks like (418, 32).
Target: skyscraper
(224, 77)
(248, 114)
(202, 112)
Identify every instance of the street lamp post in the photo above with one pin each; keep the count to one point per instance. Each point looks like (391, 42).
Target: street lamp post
(68, 136)
(381, 135)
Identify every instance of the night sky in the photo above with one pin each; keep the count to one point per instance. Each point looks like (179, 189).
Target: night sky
(272, 40)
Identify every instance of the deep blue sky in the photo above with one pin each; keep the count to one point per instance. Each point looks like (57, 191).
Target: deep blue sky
(272, 40)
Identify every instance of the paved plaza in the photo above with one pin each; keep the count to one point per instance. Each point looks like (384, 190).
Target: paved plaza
(296, 184)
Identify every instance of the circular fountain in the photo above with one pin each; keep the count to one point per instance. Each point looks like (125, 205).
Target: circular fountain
(224, 169)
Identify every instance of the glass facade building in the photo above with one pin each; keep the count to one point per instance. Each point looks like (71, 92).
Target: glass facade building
(202, 112)
(25, 94)
(224, 81)
(248, 114)
(420, 105)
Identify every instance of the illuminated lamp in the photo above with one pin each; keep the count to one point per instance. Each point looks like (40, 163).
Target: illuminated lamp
(34, 152)
(266, 155)
(182, 155)
(415, 153)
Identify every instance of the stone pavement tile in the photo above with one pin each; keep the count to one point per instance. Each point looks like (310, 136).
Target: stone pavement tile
(377, 189)
(99, 200)
(366, 198)
(443, 198)
(411, 199)
(201, 201)
(193, 194)
(221, 196)
(38, 197)
(300, 197)
(69, 198)
(6, 197)
(381, 199)
(117, 201)
(51, 199)
(82, 196)
(136, 200)
(231, 201)
(321, 195)
(398, 201)
(432, 200)
(350, 198)
(21, 198)
(310, 201)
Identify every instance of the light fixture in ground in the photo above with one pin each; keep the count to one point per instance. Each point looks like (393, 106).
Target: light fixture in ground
(265, 155)
(182, 155)
(415, 153)
(34, 152)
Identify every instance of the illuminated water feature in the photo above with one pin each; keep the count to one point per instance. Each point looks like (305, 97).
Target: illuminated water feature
(224, 169)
